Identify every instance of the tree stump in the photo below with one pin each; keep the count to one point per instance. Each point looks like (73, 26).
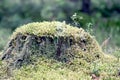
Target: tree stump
(54, 40)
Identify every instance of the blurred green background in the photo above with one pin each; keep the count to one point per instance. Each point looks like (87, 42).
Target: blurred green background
(102, 15)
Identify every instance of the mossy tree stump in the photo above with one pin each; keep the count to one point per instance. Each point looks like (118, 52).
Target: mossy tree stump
(55, 40)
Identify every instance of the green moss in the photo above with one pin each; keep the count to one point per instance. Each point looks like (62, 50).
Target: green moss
(74, 63)
(50, 69)
(49, 29)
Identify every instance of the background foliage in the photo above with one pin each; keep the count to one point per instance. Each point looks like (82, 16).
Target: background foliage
(18, 12)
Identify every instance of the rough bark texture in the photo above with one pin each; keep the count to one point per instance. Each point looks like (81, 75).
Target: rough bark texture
(20, 49)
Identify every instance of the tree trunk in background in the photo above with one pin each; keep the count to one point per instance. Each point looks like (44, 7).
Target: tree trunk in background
(86, 4)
